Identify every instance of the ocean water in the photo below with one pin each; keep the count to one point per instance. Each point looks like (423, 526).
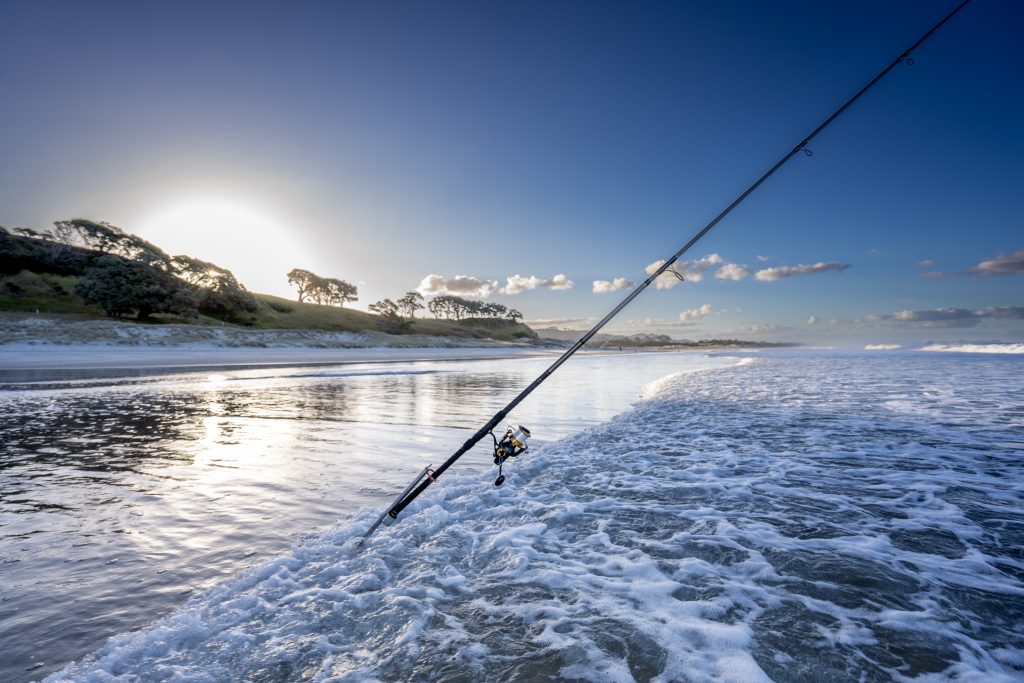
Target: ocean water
(787, 516)
(123, 496)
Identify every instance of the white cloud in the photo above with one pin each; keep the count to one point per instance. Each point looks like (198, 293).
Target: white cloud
(948, 317)
(925, 263)
(692, 271)
(813, 320)
(733, 271)
(762, 259)
(517, 283)
(460, 285)
(772, 274)
(605, 286)
(1004, 264)
(696, 313)
(560, 281)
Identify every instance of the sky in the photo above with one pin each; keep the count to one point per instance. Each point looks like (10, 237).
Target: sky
(543, 155)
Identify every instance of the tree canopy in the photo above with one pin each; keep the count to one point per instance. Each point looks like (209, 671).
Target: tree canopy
(455, 307)
(390, 321)
(322, 290)
(121, 286)
(410, 303)
(384, 307)
(109, 239)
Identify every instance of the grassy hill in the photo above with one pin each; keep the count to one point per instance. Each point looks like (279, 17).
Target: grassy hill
(49, 293)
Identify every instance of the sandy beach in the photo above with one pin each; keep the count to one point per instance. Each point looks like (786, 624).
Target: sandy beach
(24, 356)
(55, 343)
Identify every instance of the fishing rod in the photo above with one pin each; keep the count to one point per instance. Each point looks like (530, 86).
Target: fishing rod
(513, 442)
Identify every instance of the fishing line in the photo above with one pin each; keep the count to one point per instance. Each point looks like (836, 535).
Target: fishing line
(428, 476)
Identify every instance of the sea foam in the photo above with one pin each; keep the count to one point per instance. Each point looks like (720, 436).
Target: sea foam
(975, 348)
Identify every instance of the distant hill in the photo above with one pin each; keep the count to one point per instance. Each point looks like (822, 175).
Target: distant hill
(648, 340)
(41, 275)
(47, 293)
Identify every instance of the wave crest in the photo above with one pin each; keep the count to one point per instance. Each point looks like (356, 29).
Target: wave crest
(976, 348)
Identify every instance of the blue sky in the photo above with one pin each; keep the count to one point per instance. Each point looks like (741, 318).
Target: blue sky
(386, 142)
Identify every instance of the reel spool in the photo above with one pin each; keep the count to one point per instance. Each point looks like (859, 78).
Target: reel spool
(510, 446)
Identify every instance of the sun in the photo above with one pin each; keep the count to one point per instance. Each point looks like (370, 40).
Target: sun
(236, 233)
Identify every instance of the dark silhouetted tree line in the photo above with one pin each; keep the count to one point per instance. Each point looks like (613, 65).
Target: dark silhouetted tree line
(457, 308)
(391, 320)
(124, 274)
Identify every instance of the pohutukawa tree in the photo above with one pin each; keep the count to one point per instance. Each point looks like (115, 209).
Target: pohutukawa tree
(390, 321)
(121, 286)
(339, 292)
(385, 307)
(109, 239)
(455, 307)
(221, 295)
(302, 280)
(322, 290)
(410, 303)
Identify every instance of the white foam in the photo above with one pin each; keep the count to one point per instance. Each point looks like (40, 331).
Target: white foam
(882, 347)
(975, 348)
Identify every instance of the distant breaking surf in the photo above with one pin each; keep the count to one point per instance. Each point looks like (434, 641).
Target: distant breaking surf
(975, 348)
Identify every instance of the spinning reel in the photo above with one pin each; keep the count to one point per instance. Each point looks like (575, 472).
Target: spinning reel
(510, 446)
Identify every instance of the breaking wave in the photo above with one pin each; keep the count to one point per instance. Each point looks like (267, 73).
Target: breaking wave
(975, 348)
(790, 519)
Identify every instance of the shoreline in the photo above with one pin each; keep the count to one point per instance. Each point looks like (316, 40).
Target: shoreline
(20, 357)
(23, 360)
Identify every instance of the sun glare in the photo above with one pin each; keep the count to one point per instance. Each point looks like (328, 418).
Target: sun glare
(247, 239)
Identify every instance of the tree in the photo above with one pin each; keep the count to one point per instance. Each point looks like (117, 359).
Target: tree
(220, 294)
(514, 315)
(338, 291)
(390, 321)
(436, 306)
(410, 303)
(304, 281)
(384, 307)
(493, 310)
(322, 290)
(120, 286)
(27, 249)
(109, 239)
(197, 271)
(227, 303)
(453, 307)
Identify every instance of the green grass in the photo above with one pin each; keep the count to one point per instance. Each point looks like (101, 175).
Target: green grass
(48, 293)
(278, 313)
(43, 292)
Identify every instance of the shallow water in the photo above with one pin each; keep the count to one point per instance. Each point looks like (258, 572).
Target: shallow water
(794, 517)
(120, 497)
